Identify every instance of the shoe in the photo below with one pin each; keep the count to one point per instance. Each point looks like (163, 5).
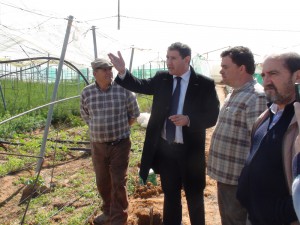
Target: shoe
(101, 220)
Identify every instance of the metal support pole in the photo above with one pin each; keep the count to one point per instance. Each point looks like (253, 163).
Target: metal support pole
(47, 78)
(118, 14)
(2, 97)
(131, 59)
(95, 42)
(51, 107)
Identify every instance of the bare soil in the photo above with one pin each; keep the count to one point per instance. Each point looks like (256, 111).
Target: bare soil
(146, 204)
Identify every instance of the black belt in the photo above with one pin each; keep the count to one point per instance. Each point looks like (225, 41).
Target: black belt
(113, 143)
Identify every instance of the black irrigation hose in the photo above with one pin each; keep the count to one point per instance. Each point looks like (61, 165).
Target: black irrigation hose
(58, 141)
(68, 141)
(76, 149)
(48, 139)
(11, 143)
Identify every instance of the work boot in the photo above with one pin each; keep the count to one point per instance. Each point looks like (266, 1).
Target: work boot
(101, 220)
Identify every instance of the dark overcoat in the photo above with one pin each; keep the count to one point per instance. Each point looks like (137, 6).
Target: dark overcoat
(201, 105)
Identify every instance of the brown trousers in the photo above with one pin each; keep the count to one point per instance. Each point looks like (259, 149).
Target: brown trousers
(231, 210)
(110, 165)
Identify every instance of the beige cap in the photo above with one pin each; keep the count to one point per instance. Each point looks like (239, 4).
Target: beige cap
(101, 64)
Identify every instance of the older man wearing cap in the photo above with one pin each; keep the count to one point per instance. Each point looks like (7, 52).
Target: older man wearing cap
(109, 110)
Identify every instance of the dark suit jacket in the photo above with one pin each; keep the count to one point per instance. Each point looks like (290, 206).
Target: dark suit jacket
(201, 104)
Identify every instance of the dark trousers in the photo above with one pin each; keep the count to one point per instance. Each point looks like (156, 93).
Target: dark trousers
(111, 164)
(174, 176)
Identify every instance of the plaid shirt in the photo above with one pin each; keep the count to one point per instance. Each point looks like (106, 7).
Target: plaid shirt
(107, 112)
(231, 139)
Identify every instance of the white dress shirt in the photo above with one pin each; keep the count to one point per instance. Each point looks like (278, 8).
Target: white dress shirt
(183, 87)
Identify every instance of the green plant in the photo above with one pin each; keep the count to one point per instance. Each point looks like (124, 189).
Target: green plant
(69, 209)
(13, 164)
(26, 123)
(137, 137)
(131, 183)
(39, 181)
(145, 102)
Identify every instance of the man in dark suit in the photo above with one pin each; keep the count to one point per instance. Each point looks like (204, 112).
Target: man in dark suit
(180, 161)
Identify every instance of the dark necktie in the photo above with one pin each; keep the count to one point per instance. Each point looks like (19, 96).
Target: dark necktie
(170, 126)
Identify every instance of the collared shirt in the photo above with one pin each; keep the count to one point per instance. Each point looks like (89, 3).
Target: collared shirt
(107, 112)
(230, 142)
(262, 130)
(277, 114)
(183, 87)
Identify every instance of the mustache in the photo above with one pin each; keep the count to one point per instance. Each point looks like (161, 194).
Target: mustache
(269, 86)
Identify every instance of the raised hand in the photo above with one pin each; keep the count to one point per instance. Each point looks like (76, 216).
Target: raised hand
(118, 62)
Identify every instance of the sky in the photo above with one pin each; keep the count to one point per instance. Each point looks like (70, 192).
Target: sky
(149, 27)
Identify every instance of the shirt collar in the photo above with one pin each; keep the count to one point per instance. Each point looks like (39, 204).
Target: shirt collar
(185, 76)
(244, 87)
(274, 108)
(109, 87)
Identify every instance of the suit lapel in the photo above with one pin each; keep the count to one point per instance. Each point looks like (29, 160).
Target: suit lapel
(167, 88)
(164, 94)
(191, 91)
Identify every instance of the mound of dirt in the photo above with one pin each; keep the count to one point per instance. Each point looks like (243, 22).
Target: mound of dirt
(147, 191)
